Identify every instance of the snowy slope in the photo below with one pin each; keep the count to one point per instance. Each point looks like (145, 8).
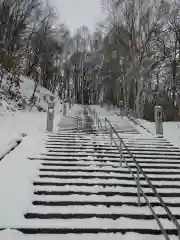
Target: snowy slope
(18, 98)
(42, 94)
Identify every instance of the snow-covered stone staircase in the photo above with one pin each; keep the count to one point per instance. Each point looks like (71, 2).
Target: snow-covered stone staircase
(81, 188)
(82, 192)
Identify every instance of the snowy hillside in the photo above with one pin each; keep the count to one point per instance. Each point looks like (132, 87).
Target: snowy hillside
(16, 96)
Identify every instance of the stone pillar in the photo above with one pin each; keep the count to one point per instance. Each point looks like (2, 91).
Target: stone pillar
(158, 118)
(70, 103)
(109, 106)
(101, 104)
(64, 109)
(50, 117)
(122, 110)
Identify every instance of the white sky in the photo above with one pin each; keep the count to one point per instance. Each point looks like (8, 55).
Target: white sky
(75, 13)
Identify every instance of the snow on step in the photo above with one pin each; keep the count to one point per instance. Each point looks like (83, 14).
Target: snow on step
(91, 161)
(98, 189)
(108, 147)
(114, 152)
(83, 161)
(100, 209)
(80, 143)
(109, 155)
(99, 198)
(112, 160)
(99, 174)
(118, 171)
(104, 181)
(103, 168)
(12, 234)
(95, 223)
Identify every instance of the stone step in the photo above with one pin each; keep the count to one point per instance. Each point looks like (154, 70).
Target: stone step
(99, 198)
(110, 148)
(107, 146)
(114, 152)
(127, 177)
(104, 185)
(89, 236)
(101, 209)
(98, 189)
(101, 203)
(110, 161)
(102, 139)
(109, 155)
(93, 181)
(81, 142)
(84, 216)
(159, 144)
(103, 193)
(163, 164)
(76, 231)
(120, 171)
(96, 134)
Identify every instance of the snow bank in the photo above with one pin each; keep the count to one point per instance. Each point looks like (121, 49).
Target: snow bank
(9, 234)
(6, 148)
(171, 130)
(27, 87)
(16, 176)
(42, 94)
(17, 98)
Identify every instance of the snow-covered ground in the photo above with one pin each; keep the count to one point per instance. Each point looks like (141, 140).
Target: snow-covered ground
(16, 170)
(15, 125)
(18, 97)
(171, 129)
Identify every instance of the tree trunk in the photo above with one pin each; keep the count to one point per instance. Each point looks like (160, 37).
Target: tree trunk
(138, 98)
(2, 75)
(174, 82)
(35, 88)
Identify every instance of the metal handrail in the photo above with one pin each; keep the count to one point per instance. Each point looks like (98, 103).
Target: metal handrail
(139, 171)
(98, 121)
(77, 123)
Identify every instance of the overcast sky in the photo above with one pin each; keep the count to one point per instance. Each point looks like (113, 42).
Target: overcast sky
(78, 12)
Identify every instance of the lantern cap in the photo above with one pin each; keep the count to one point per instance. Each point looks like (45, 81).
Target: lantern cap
(50, 105)
(158, 107)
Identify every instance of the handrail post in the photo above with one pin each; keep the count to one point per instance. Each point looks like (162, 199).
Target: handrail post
(100, 124)
(110, 135)
(105, 124)
(178, 234)
(120, 149)
(94, 113)
(138, 186)
(77, 123)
